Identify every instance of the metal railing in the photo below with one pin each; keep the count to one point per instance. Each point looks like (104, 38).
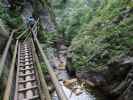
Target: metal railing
(5, 52)
(11, 74)
(55, 81)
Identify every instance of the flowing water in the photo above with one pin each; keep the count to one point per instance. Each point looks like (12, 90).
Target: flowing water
(84, 92)
(76, 90)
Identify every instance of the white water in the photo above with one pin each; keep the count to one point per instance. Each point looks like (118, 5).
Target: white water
(83, 96)
(72, 96)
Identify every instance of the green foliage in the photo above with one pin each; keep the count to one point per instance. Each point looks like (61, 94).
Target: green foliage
(106, 38)
(47, 37)
(12, 19)
(99, 31)
(44, 69)
(69, 18)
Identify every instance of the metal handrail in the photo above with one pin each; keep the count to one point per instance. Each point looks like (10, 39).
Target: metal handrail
(3, 60)
(41, 76)
(55, 81)
(11, 74)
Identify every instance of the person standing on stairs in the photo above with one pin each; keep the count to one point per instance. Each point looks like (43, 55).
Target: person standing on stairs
(30, 21)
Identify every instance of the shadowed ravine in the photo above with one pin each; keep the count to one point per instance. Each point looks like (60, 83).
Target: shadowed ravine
(66, 49)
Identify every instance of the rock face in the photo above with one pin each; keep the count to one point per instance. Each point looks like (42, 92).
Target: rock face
(120, 78)
(94, 79)
(116, 81)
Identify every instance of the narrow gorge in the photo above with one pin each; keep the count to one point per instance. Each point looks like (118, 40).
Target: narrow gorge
(88, 44)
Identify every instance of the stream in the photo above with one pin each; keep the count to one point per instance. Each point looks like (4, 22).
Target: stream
(73, 88)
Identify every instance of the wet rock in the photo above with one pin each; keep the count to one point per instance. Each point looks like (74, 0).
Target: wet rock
(69, 83)
(71, 71)
(93, 79)
(73, 85)
(89, 83)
